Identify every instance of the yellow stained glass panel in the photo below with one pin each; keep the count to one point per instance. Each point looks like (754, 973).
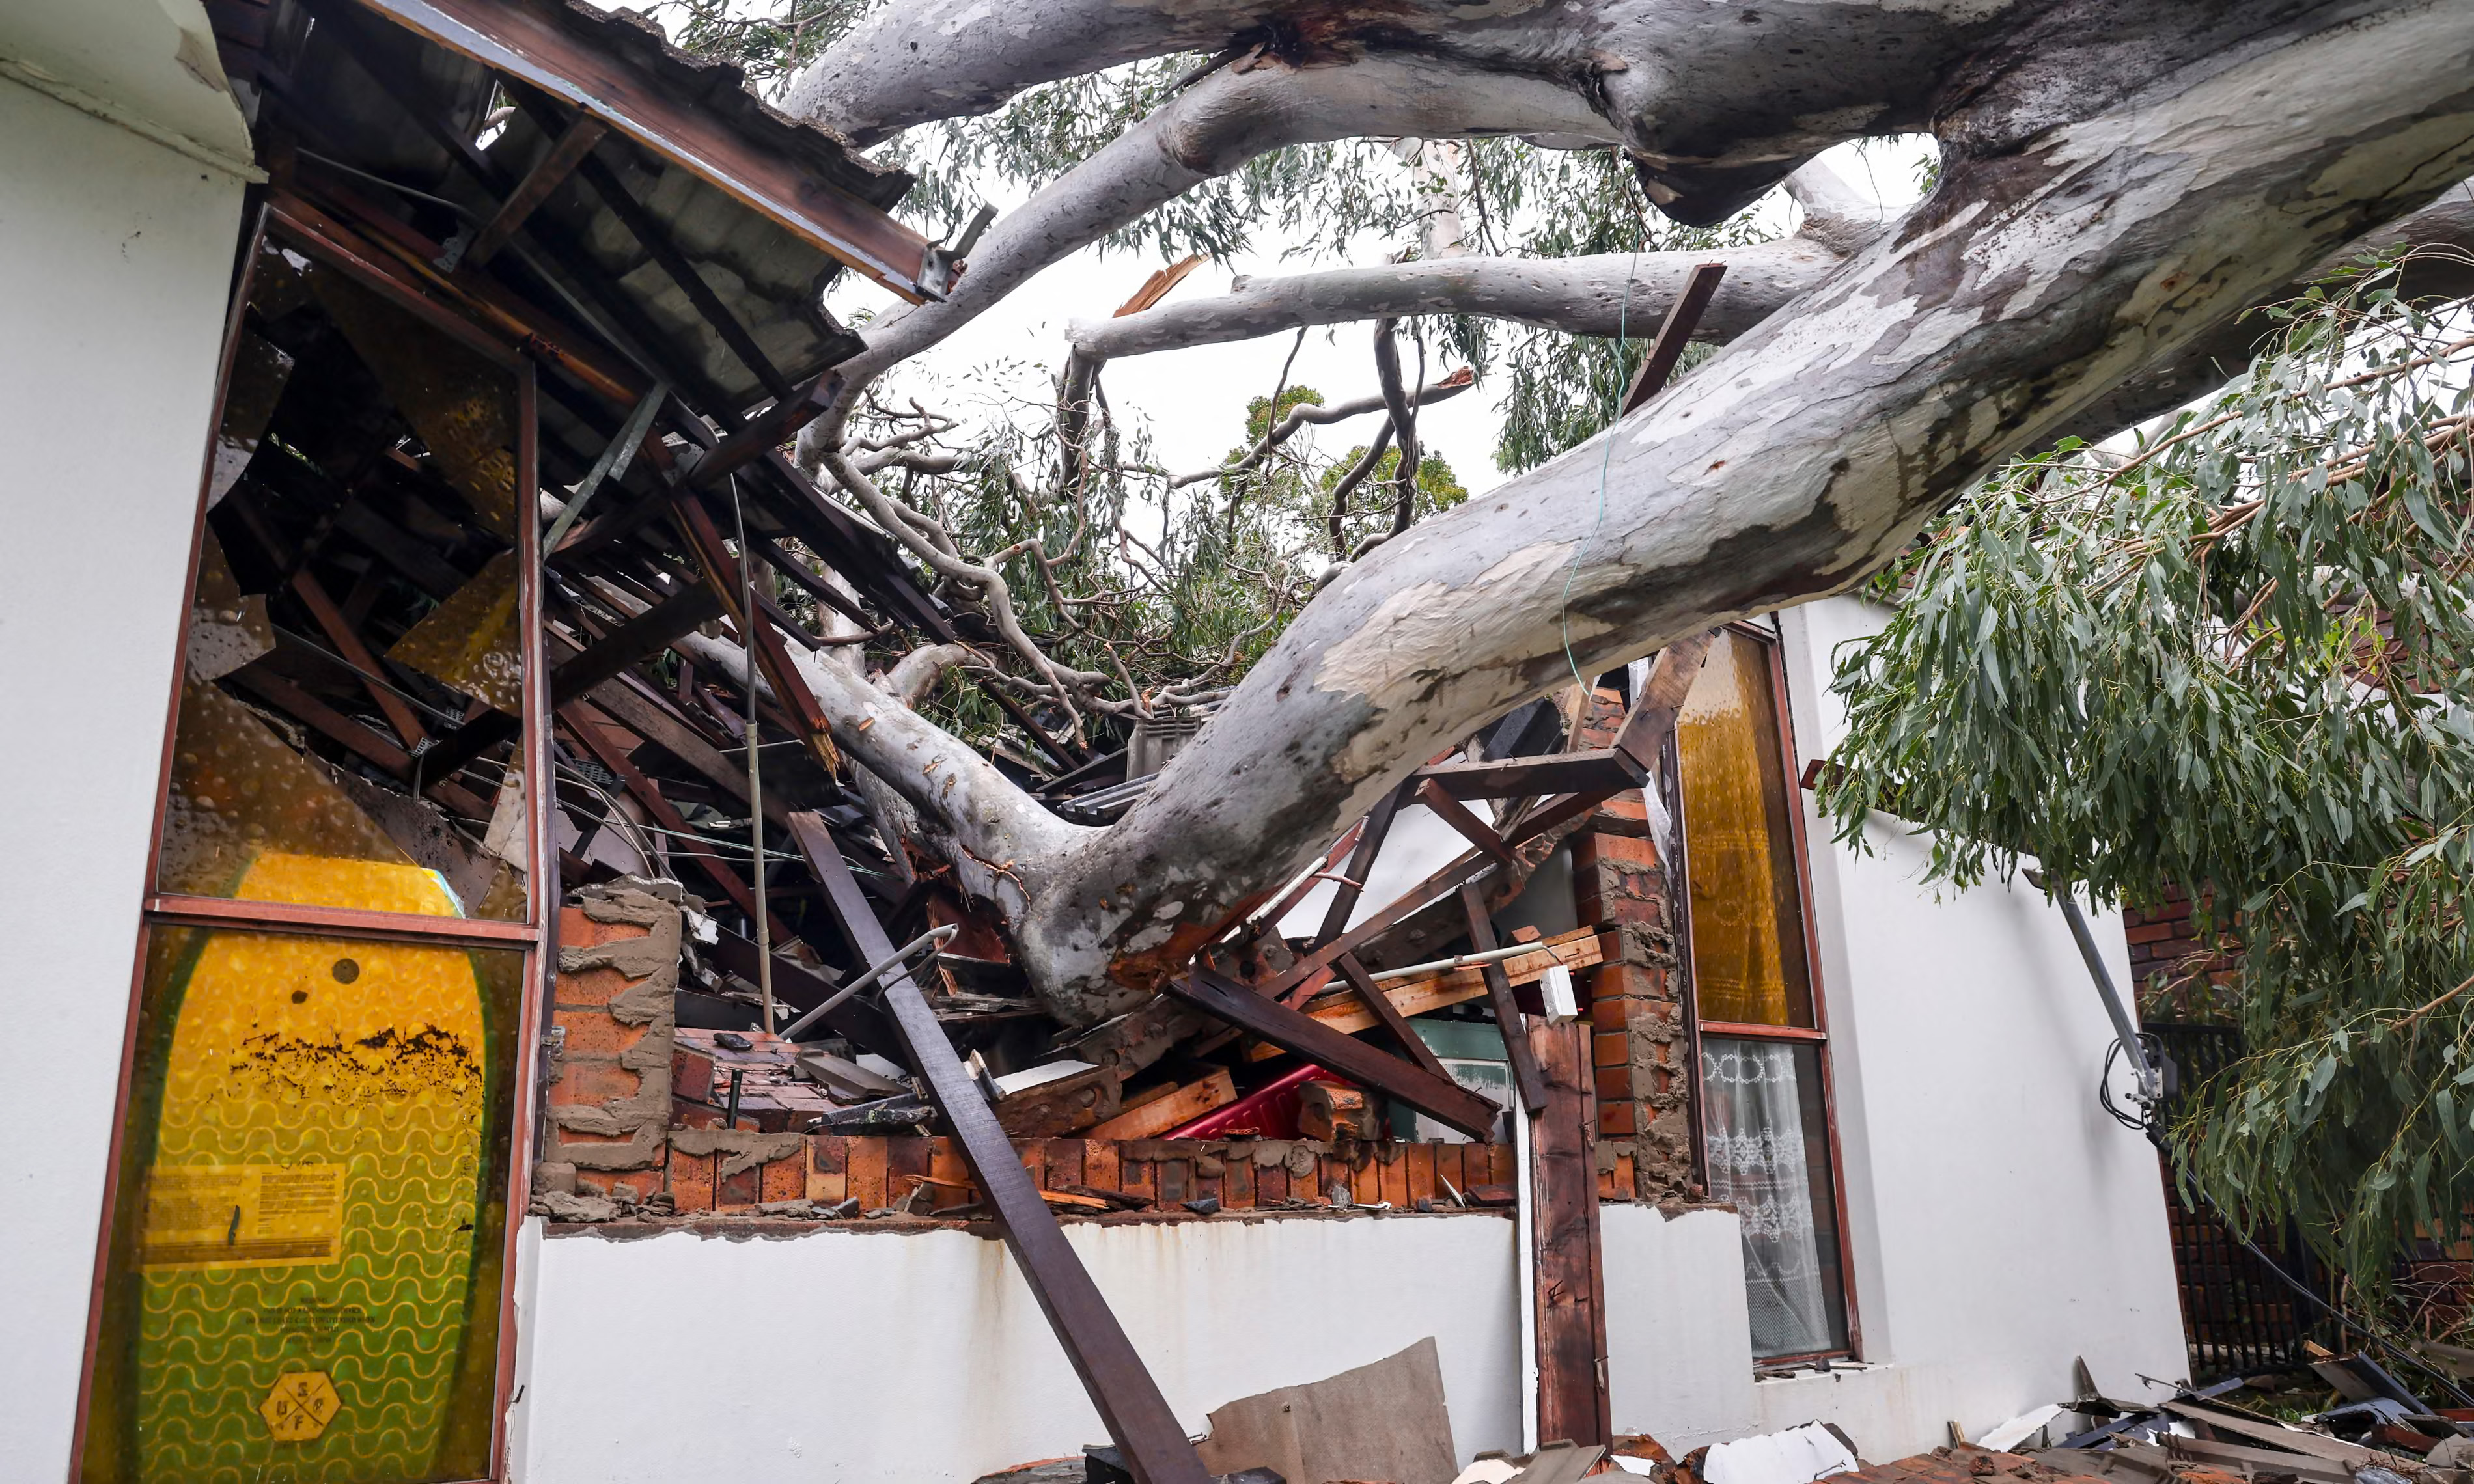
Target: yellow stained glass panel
(1748, 950)
(314, 1183)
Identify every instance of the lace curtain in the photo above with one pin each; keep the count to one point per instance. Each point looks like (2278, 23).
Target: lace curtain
(1763, 1127)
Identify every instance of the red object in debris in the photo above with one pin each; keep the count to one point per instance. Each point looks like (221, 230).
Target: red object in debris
(1270, 1110)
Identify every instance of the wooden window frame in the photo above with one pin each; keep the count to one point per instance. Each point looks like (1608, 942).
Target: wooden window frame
(1671, 793)
(535, 936)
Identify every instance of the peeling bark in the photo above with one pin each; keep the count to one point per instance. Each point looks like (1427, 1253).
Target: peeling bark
(2117, 184)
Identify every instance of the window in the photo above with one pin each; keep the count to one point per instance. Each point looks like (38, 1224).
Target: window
(1764, 1112)
(307, 1241)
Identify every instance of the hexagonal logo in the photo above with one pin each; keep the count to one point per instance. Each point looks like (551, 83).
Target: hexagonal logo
(299, 1407)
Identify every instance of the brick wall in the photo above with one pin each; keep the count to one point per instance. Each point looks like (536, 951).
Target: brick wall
(2179, 971)
(1635, 996)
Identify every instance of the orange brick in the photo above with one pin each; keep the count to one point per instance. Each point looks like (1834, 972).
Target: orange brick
(589, 990)
(692, 1181)
(591, 1034)
(945, 1163)
(738, 1193)
(1365, 1183)
(1608, 1050)
(906, 1163)
(1612, 1083)
(827, 1184)
(1391, 1181)
(1173, 1182)
(1099, 1165)
(1060, 1162)
(594, 1081)
(1419, 1162)
(866, 1170)
(1271, 1185)
(1237, 1186)
(580, 1136)
(1213, 1188)
(785, 1179)
(1616, 1116)
(691, 1075)
(1134, 1178)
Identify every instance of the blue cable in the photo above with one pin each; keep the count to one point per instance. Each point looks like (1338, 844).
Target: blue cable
(1615, 413)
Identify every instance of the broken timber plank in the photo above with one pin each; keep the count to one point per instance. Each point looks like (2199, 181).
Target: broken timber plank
(1455, 872)
(1605, 769)
(565, 151)
(2337, 1450)
(1465, 824)
(1343, 1011)
(1379, 1006)
(1674, 333)
(639, 638)
(1438, 1097)
(1360, 860)
(1525, 1076)
(1128, 1401)
(1154, 1118)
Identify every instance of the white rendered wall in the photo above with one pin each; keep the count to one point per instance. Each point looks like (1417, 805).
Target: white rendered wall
(116, 255)
(1678, 1341)
(2003, 1223)
(869, 1356)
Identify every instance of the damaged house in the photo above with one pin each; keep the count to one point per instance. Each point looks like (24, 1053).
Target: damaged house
(476, 1014)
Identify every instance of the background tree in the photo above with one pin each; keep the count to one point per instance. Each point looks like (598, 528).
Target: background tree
(2236, 656)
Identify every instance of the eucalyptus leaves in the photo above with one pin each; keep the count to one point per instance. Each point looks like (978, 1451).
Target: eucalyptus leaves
(2237, 654)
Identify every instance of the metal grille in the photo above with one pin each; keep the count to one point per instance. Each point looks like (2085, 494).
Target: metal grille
(2241, 1320)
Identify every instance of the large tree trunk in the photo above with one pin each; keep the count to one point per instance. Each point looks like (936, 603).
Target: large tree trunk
(2111, 190)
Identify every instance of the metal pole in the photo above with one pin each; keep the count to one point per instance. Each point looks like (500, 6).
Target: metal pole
(749, 619)
(2151, 1082)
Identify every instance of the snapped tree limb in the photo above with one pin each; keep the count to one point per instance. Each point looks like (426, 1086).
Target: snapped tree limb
(2117, 186)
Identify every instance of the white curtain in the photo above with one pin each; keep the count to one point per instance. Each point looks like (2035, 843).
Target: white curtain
(1752, 1124)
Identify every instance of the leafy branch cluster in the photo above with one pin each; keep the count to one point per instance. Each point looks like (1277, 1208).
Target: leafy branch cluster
(2236, 657)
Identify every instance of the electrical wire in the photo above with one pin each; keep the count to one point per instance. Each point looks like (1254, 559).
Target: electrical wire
(1606, 456)
(2149, 1123)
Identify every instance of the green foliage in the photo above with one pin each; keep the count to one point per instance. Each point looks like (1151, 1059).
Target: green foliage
(773, 44)
(2238, 656)
(1529, 202)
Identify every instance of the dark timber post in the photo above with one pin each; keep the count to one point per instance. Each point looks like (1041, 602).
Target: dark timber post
(1128, 1401)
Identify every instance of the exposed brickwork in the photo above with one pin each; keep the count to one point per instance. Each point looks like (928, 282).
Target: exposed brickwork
(884, 1171)
(2182, 970)
(608, 1101)
(1637, 1046)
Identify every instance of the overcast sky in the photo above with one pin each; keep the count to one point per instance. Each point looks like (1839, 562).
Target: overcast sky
(1193, 400)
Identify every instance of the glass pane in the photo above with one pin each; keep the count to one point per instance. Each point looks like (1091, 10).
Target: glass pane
(1748, 962)
(357, 607)
(305, 1273)
(1768, 1148)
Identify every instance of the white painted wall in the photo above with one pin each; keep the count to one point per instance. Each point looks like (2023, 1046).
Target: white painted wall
(1678, 1341)
(116, 254)
(865, 1357)
(2003, 1223)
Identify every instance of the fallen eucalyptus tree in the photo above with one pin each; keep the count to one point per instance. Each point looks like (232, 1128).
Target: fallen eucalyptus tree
(2117, 186)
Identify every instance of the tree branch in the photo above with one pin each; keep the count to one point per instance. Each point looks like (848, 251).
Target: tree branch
(1224, 121)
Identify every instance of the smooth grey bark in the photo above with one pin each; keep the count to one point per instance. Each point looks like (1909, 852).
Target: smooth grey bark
(1588, 294)
(2092, 226)
(1206, 132)
(1714, 103)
